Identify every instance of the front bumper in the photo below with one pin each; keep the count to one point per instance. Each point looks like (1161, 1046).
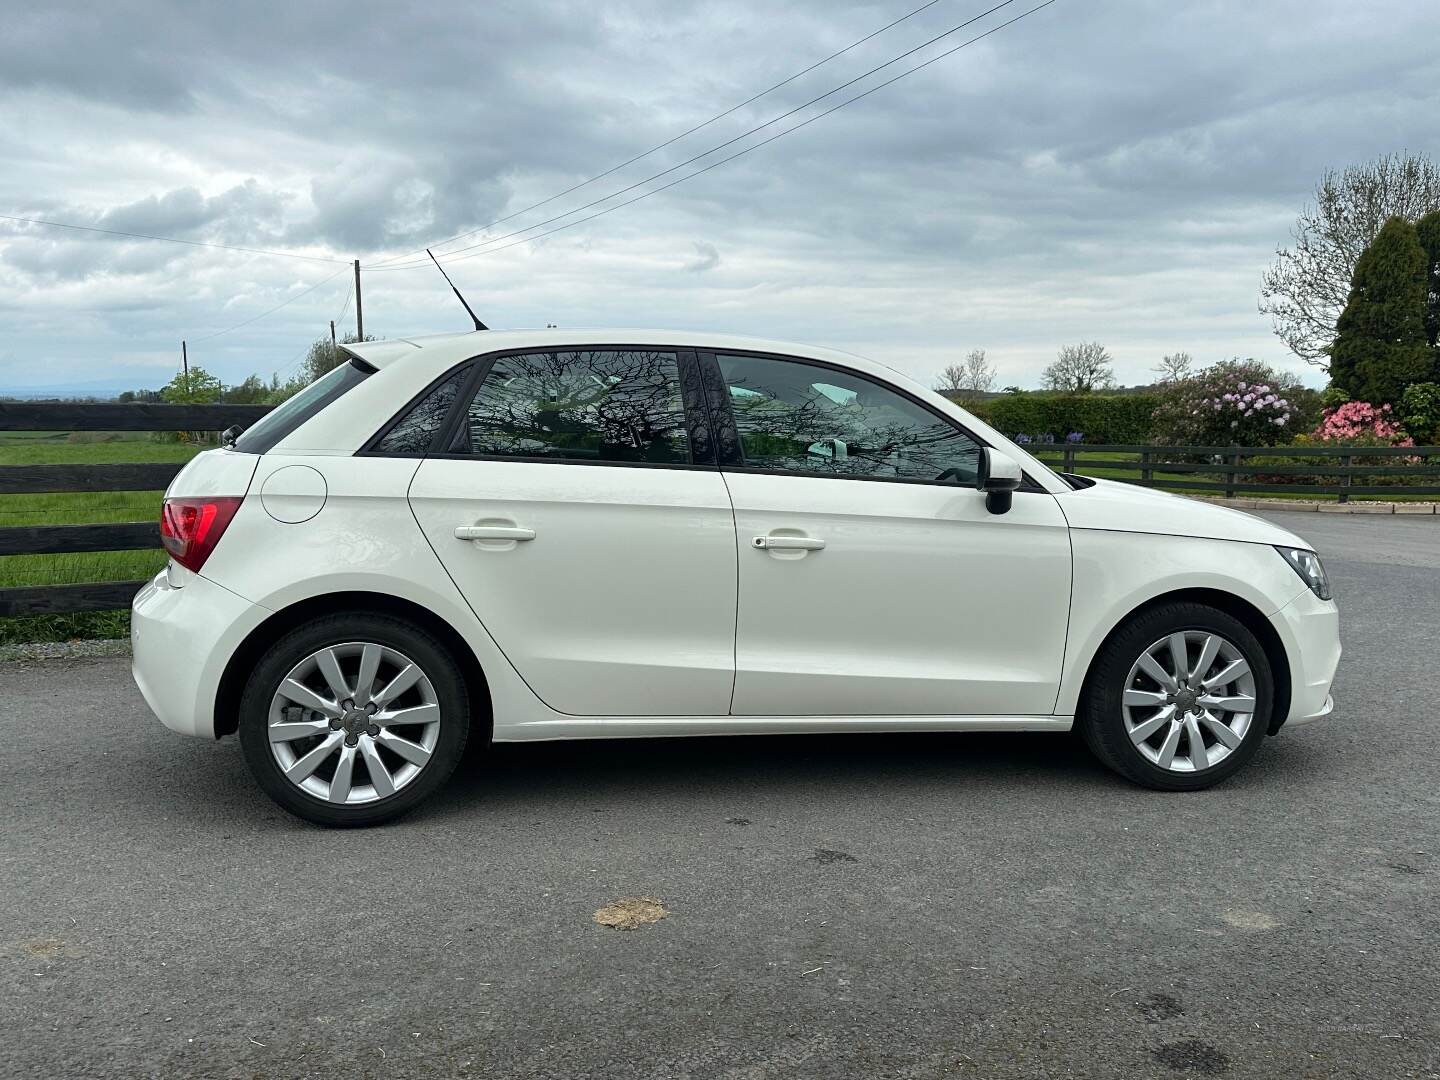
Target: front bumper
(182, 633)
(1309, 628)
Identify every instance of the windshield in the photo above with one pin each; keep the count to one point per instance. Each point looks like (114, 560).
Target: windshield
(294, 411)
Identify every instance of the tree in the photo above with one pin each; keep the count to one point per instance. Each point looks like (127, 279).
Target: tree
(1174, 366)
(1305, 289)
(1427, 231)
(1078, 369)
(147, 396)
(252, 391)
(1380, 346)
(324, 357)
(195, 387)
(974, 375)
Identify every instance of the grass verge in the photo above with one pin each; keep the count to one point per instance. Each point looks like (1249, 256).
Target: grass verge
(79, 508)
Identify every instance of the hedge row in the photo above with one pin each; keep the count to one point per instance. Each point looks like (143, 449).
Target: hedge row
(1100, 418)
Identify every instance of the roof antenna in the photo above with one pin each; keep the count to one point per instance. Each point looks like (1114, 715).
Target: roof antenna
(473, 317)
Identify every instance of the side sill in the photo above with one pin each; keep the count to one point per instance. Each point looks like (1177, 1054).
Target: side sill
(656, 727)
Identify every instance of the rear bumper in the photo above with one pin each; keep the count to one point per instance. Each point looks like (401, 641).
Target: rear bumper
(1309, 628)
(182, 636)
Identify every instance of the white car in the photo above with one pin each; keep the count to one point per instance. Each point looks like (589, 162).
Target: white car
(595, 534)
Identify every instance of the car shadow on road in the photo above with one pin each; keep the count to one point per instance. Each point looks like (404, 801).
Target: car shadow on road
(597, 775)
(778, 763)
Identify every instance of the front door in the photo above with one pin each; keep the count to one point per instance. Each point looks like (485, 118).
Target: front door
(868, 586)
(584, 527)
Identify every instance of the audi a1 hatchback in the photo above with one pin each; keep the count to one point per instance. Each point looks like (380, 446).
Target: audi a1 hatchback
(543, 535)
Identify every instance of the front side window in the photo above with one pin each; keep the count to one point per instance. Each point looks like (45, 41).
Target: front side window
(798, 417)
(620, 405)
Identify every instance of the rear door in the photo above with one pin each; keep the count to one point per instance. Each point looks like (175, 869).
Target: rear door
(578, 507)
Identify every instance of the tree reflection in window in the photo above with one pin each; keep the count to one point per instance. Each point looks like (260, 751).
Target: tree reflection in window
(799, 417)
(601, 405)
(412, 433)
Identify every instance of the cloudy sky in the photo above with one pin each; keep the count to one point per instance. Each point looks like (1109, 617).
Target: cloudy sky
(1115, 171)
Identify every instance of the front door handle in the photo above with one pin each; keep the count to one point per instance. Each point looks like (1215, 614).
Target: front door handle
(492, 532)
(788, 543)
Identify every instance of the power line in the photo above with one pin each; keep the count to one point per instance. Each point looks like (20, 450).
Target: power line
(167, 239)
(271, 311)
(349, 295)
(740, 153)
(292, 368)
(457, 254)
(766, 141)
(668, 142)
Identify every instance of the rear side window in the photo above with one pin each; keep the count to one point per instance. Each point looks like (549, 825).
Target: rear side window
(414, 431)
(620, 405)
(286, 417)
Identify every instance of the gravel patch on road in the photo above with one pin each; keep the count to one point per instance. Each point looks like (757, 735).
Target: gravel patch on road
(64, 650)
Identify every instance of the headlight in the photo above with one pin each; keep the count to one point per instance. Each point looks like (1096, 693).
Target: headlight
(1307, 565)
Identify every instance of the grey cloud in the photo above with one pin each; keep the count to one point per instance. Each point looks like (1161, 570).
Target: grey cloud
(1120, 172)
(244, 212)
(707, 257)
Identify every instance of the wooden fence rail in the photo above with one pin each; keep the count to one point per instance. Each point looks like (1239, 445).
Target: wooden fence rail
(120, 536)
(1182, 468)
(128, 416)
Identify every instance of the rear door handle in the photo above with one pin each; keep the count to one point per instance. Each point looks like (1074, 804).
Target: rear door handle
(492, 532)
(788, 543)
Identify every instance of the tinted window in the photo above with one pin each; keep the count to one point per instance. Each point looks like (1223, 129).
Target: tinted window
(413, 432)
(610, 405)
(799, 417)
(286, 417)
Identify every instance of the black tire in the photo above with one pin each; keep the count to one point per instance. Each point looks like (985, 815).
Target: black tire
(1101, 720)
(430, 655)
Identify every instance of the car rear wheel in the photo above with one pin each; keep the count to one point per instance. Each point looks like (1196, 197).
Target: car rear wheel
(1179, 699)
(354, 718)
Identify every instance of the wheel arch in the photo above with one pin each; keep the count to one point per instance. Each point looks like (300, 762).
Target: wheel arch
(247, 654)
(1238, 608)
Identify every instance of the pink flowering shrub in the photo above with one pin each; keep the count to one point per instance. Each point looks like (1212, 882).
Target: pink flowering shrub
(1236, 403)
(1358, 423)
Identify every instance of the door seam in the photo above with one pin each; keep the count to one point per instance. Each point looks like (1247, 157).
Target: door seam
(735, 638)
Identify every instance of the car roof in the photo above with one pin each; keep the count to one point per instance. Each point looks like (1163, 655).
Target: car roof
(382, 353)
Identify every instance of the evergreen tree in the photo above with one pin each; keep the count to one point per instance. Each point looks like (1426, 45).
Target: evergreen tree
(1380, 346)
(1427, 229)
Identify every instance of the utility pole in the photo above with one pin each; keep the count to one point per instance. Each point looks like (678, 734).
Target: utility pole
(359, 312)
(185, 365)
(333, 346)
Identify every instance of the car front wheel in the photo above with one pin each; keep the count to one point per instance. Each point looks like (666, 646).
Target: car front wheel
(1179, 699)
(353, 719)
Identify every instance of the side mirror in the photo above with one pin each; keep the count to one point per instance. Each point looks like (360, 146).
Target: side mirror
(230, 434)
(998, 475)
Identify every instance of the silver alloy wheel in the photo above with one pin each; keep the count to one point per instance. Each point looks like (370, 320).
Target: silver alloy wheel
(1192, 686)
(354, 723)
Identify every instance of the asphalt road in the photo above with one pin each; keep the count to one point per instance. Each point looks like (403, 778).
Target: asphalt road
(868, 906)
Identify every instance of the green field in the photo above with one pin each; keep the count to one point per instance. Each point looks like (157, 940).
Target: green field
(82, 508)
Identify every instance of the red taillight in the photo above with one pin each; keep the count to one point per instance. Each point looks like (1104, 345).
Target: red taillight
(190, 528)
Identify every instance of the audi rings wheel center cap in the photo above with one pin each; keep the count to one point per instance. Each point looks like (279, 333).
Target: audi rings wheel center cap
(1185, 701)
